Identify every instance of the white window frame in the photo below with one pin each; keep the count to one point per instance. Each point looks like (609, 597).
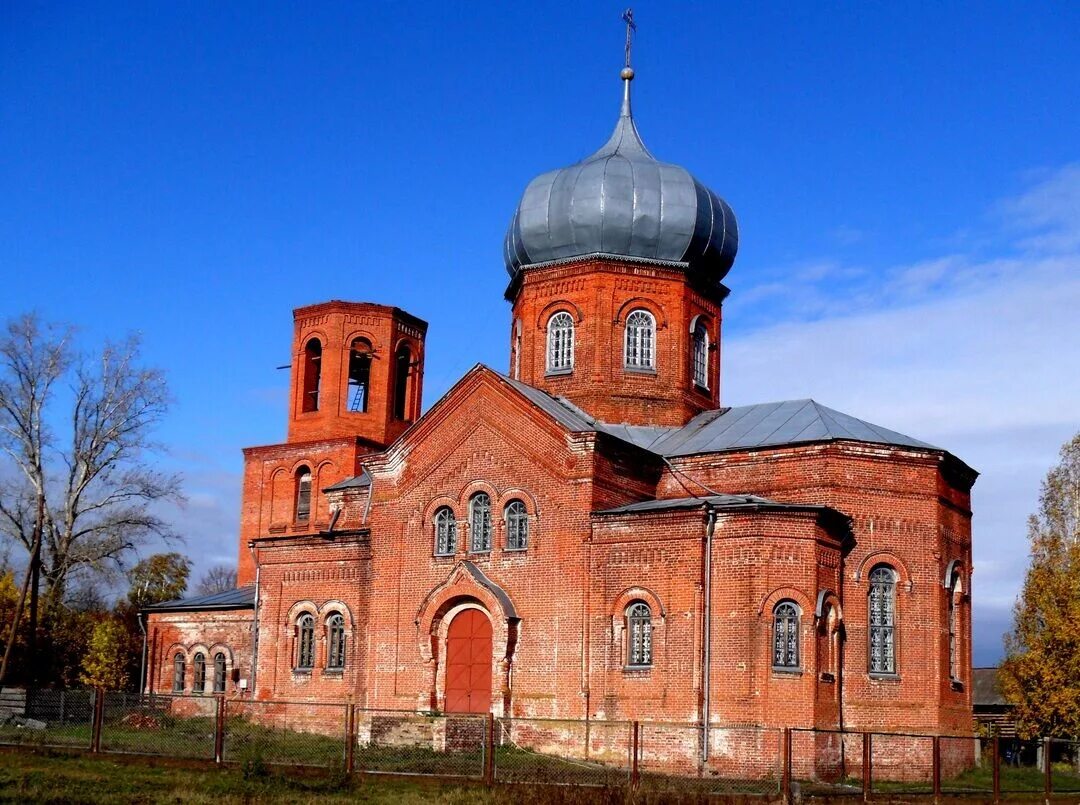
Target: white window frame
(639, 344)
(560, 343)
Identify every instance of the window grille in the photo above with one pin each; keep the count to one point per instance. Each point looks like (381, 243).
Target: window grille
(701, 356)
(303, 493)
(359, 375)
(882, 620)
(305, 654)
(480, 523)
(517, 526)
(560, 342)
(786, 635)
(219, 672)
(954, 645)
(179, 671)
(639, 629)
(445, 532)
(198, 684)
(640, 338)
(335, 633)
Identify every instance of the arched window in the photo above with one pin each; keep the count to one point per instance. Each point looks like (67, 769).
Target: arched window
(882, 606)
(639, 634)
(303, 493)
(305, 642)
(640, 340)
(517, 526)
(560, 342)
(359, 375)
(402, 367)
(954, 592)
(312, 374)
(515, 360)
(701, 355)
(445, 532)
(179, 670)
(219, 672)
(335, 642)
(198, 682)
(480, 523)
(785, 642)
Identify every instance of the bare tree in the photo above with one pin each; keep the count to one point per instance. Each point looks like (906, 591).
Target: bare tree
(218, 579)
(81, 496)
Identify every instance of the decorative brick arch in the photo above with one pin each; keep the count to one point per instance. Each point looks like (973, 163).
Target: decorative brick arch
(618, 623)
(642, 303)
(885, 558)
(467, 587)
(769, 602)
(366, 335)
(559, 305)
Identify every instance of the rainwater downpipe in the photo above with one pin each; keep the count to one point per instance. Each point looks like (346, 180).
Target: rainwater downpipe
(254, 622)
(706, 654)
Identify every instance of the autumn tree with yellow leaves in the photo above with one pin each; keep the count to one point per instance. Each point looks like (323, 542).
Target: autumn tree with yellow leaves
(1041, 673)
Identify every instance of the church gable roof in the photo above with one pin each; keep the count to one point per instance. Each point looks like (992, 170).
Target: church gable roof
(772, 425)
(240, 598)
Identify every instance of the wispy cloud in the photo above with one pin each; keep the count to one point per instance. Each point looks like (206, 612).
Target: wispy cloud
(976, 353)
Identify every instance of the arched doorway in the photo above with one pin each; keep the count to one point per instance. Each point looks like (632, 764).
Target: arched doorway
(468, 663)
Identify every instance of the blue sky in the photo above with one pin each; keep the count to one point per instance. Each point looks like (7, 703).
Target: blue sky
(906, 179)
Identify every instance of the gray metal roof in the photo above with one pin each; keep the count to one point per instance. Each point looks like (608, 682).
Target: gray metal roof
(622, 201)
(985, 691)
(774, 424)
(717, 501)
(240, 598)
(356, 482)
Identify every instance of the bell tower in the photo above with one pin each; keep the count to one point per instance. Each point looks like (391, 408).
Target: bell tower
(357, 370)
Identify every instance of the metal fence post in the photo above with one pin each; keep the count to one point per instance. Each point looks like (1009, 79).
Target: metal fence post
(219, 731)
(350, 738)
(937, 768)
(1048, 772)
(98, 718)
(489, 750)
(867, 766)
(785, 750)
(635, 752)
(995, 760)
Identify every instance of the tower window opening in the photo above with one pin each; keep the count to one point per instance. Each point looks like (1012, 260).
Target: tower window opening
(303, 494)
(402, 367)
(701, 355)
(955, 596)
(359, 375)
(640, 340)
(312, 375)
(560, 342)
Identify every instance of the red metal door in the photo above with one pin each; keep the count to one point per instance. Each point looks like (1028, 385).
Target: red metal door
(468, 663)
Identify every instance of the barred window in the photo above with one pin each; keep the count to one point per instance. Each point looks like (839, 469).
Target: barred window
(445, 532)
(701, 355)
(335, 642)
(954, 643)
(517, 526)
(639, 631)
(560, 342)
(219, 672)
(305, 642)
(179, 670)
(882, 620)
(303, 494)
(640, 338)
(480, 523)
(785, 635)
(198, 684)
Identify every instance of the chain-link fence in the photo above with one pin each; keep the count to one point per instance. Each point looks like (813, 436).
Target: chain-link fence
(1064, 766)
(406, 742)
(687, 758)
(171, 726)
(902, 764)
(564, 752)
(55, 718)
(257, 733)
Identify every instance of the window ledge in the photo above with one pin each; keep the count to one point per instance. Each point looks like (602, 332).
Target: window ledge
(956, 684)
(486, 552)
(334, 673)
(516, 550)
(637, 670)
(442, 556)
(640, 370)
(558, 372)
(828, 677)
(787, 672)
(302, 671)
(701, 388)
(885, 677)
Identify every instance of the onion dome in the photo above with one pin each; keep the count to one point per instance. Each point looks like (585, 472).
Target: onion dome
(623, 202)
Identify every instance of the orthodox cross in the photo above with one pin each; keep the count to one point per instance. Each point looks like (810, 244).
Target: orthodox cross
(631, 26)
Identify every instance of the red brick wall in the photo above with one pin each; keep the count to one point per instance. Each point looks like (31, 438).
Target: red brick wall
(191, 632)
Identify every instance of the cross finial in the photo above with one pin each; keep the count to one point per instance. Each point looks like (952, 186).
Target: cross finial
(631, 26)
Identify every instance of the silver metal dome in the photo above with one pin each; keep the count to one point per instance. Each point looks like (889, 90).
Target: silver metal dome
(622, 201)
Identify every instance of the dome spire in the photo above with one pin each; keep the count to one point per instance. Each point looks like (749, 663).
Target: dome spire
(628, 71)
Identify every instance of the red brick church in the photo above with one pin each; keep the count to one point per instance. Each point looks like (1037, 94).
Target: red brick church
(591, 535)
